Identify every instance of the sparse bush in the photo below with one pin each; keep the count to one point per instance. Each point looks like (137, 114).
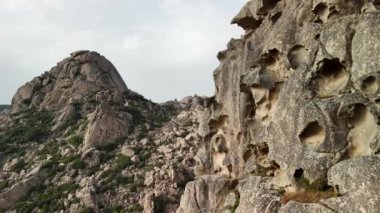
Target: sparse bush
(31, 125)
(3, 185)
(310, 192)
(160, 203)
(4, 107)
(110, 146)
(86, 210)
(78, 164)
(136, 208)
(47, 199)
(20, 165)
(114, 209)
(304, 196)
(237, 201)
(75, 140)
(122, 162)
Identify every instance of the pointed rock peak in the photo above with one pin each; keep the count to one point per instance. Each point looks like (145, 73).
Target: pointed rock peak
(85, 76)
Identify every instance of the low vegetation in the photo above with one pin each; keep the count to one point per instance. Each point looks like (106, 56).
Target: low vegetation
(310, 192)
(47, 199)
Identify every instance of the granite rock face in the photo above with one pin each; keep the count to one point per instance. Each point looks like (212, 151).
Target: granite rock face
(297, 105)
(84, 85)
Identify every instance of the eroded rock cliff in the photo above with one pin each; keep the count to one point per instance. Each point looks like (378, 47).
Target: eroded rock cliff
(293, 125)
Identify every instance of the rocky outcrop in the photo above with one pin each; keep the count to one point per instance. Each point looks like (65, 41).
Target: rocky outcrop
(18, 191)
(205, 194)
(97, 145)
(84, 85)
(296, 104)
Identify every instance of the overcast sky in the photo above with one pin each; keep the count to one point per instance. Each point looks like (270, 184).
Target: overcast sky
(164, 49)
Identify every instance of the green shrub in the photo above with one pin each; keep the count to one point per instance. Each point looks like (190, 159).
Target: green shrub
(135, 208)
(78, 164)
(4, 107)
(237, 201)
(137, 116)
(92, 170)
(110, 146)
(20, 165)
(319, 185)
(3, 185)
(160, 203)
(75, 140)
(114, 209)
(48, 199)
(86, 210)
(31, 125)
(122, 162)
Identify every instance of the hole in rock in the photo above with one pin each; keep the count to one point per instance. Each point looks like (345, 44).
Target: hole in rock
(364, 131)
(330, 67)
(276, 16)
(298, 174)
(370, 85)
(317, 36)
(265, 102)
(250, 108)
(261, 152)
(262, 149)
(247, 154)
(218, 124)
(377, 101)
(313, 134)
(322, 13)
(267, 5)
(297, 55)
(269, 58)
(331, 77)
(333, 12)
(376, 3)
(219, 143)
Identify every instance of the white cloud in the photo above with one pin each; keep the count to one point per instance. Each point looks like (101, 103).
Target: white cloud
(150, 43)
(22, 5)
(132, 42)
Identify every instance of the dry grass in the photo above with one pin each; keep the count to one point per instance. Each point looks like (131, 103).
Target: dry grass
(304, 196)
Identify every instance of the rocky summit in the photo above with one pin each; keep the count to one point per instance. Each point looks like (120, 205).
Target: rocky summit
(293, 125)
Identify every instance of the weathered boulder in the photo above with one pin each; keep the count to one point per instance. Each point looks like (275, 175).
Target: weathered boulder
(88, 197)
(255, 194)
(17, 192)
(358, 182)
(205, 194)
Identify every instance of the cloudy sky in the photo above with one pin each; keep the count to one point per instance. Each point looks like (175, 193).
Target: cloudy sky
(164, 49)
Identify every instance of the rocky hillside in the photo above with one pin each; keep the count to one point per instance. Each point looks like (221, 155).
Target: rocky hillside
(78, 140)
(294, 123)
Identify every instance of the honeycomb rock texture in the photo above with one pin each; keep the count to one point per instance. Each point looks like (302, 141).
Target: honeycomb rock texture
(294, 123)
